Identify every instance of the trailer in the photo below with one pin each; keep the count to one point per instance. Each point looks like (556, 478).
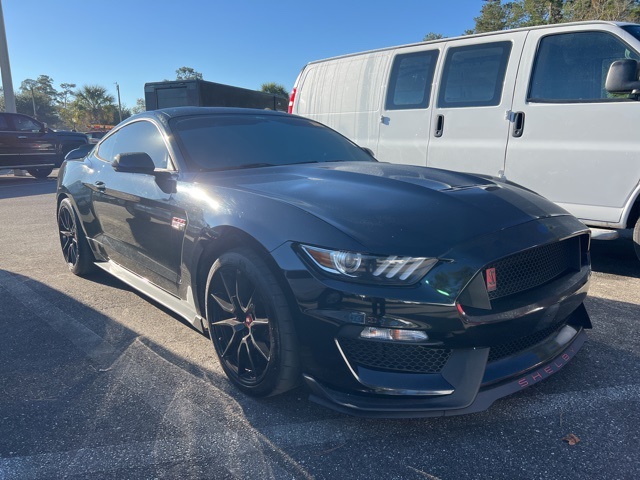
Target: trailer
(201, 93)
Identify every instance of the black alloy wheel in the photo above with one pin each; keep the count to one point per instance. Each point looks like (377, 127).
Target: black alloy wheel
(250, 325)
(75, 248)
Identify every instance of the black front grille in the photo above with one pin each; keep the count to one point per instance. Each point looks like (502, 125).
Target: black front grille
(533, 267)
(394, 356)
(520, 344)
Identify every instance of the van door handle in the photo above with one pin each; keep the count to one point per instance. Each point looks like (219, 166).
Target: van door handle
(518, 124)
(439, 126)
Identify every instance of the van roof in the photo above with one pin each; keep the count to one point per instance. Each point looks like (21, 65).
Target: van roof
(478, 35)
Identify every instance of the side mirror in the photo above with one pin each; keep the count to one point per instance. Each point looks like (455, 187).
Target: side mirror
(134, 162)
(79, 153)
(623, 77)
(368, 151)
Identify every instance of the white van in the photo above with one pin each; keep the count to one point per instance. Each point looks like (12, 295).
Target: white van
(540, 106)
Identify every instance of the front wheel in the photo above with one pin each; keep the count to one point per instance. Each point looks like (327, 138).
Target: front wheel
(250, 325)
(75, 248)
(42, 172)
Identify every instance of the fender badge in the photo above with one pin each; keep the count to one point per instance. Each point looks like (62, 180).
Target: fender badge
(492, 281)
(178, 223)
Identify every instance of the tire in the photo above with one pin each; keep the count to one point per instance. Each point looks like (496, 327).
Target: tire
(75, 248)
(42, 172)
(250, 325)
(636, 238)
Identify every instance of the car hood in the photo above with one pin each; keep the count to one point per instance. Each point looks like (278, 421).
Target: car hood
(396, 208)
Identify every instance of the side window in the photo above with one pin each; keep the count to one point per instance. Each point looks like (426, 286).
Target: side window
(572, 67)
(4, 126)
(136, 137)
(411, 80)
(26, 124)
(473, 76)
(105, 150)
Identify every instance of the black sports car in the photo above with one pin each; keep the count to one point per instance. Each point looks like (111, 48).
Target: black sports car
(391, 290)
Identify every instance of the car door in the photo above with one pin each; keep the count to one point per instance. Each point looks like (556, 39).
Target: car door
(405, 122)
(25, 142)
(470, 123)
(578, 146)
(142, 229)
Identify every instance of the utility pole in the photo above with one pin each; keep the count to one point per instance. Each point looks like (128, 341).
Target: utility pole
(119, 104)
(5, 68)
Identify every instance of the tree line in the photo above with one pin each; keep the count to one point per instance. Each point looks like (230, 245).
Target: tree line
(496, 15)
(77, 108)
(68, 106)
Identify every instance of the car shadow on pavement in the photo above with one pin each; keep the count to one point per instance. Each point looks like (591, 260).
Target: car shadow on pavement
(616, 257)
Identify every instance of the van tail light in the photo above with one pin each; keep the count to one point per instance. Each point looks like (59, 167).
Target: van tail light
(292, 99)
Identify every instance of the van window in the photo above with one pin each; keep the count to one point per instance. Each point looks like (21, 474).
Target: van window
(633, 30)
(473, 75)
(572, 67)
(411, 79)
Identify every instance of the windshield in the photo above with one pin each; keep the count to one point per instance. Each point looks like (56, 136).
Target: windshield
(229, 141)
(633, 30)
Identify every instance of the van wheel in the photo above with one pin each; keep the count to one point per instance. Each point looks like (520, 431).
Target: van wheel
(636, 238)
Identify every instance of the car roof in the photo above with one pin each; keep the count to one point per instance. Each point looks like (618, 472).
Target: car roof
(173, 112)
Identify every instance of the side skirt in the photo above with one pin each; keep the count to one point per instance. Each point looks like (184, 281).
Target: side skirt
(185, 308)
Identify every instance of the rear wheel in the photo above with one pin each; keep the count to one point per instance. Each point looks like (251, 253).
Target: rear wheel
(42, 172)
(250, 325)
(75, 249)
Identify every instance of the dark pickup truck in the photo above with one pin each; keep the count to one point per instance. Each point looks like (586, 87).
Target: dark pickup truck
(27, 144)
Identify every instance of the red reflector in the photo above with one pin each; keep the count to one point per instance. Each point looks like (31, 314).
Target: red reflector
(292, 99)
(492, 281)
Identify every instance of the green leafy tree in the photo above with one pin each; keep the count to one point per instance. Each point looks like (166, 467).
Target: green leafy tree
(432, 36)
(274, 88)
(37, 98)
(496, 15)
(619, 10)
(493, 17)
(140, 106)
(187, 73)
(66, 93)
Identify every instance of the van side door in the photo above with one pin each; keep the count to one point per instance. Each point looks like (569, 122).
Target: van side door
(405, 121)
(470, 124)
(579, 144)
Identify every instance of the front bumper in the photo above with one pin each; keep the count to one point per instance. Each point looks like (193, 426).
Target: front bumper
(471, 394)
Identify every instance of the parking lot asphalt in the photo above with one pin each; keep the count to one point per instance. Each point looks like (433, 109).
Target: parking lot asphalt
(99, 382)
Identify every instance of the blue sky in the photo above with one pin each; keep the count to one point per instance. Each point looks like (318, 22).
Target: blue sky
(242, 43)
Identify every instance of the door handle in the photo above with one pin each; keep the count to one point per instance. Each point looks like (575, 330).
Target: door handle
(439, 126)
(518, 124)
(100, 186)
(22, 137)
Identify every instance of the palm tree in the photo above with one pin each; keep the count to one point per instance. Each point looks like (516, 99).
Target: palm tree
(95, 102)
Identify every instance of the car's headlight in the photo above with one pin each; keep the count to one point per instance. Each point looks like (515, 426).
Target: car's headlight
(359, 267)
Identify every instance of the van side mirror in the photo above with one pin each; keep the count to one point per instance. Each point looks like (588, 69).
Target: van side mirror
(134, 162)
(623, 77)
